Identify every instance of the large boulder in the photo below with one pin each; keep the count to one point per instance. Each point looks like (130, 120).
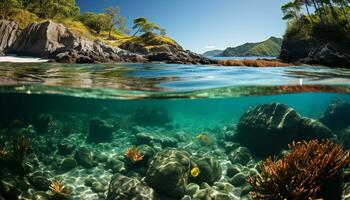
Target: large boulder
(168, 172)
(8, 34)
(51, 40)
(337, 115)
(269, 128)
(123, 187)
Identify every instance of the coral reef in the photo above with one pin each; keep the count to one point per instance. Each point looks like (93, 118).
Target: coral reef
(311, 170)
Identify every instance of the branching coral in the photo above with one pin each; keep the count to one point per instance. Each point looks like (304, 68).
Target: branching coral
(133, 154)
(303, 173)
(59, 189)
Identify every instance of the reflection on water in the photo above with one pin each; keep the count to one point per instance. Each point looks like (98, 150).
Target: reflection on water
(164, 80)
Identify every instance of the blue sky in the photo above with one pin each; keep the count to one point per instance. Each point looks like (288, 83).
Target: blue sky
(201, 25)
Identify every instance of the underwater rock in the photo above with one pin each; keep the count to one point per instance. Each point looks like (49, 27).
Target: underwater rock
(269, 128)
(99, 131)
(213, 193)
(192, 189)
(151, 116)
(40, 182)
(150, 139)
(337, 115)
(123, 187)
(147, 152)
(210, 170)
(84, 157)
(98, 187)
(238, 179)
(240, 155)
(168, 172)
(116, 165)
(42, 123)
(68, 164)
(65, 148)
(41, 196)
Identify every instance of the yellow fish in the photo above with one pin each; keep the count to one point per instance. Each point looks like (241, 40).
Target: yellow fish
(204, 138)
(195, 171)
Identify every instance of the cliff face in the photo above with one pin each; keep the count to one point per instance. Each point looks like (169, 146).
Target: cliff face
(8, 34)
(54, 41)
(311, 51)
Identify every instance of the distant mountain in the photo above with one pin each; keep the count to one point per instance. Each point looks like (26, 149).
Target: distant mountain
(213, 53)
(270, 47)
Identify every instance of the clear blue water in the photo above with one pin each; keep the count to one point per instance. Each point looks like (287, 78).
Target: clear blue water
(52, 103)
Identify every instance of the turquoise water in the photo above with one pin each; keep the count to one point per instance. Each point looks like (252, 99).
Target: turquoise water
(81, 121)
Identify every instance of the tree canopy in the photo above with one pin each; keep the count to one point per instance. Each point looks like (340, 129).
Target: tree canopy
(142, 25)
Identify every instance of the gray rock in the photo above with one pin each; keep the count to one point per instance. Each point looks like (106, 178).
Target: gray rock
(168, 172)
(116, 165)
(337, 115)
(99, 131)
(238, 179)
(98, 187)
(84, 157)
(68, 164)
(123, 187)
(210, 170)
(8, 34)
(241, 155)
(269, 128)
(150, 139)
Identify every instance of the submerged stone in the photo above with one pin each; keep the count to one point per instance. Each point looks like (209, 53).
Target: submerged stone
(84, 157)
(210, 170)
(337, 115)
(241, 155)
(99, 131)
(269, 128)
(168, 172)
(123, 187)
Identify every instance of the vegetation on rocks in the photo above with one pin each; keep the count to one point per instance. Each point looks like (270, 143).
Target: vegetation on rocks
(108, 26)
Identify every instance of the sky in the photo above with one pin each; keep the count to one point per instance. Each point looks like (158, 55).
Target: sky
(202, 25)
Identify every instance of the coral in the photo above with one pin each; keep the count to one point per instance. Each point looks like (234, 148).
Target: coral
(311, 170)
(58, 189)
(133, 154)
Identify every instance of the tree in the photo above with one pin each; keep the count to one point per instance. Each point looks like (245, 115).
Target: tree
(6, 6)
(116, 20)
(96, 22)
(144, 26)
(291, 10)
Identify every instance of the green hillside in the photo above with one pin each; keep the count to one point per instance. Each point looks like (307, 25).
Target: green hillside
(213, 53)
(270, 47)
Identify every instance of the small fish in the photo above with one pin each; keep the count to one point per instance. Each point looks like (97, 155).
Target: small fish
(204, 138)
(195, 171)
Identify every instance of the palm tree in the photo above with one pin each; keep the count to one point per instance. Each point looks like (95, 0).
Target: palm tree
(308, 3)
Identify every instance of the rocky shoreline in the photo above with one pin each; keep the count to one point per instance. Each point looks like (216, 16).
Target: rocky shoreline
(49, 40)
(315, 52)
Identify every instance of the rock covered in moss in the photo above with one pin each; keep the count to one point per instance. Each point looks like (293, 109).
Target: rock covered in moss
(123, 187)
(99, 131)
(210, 170)
(269, 128)
(337, 115)
(168, 172)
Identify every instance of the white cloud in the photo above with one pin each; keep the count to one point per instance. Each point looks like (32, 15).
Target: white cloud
(210, 47)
